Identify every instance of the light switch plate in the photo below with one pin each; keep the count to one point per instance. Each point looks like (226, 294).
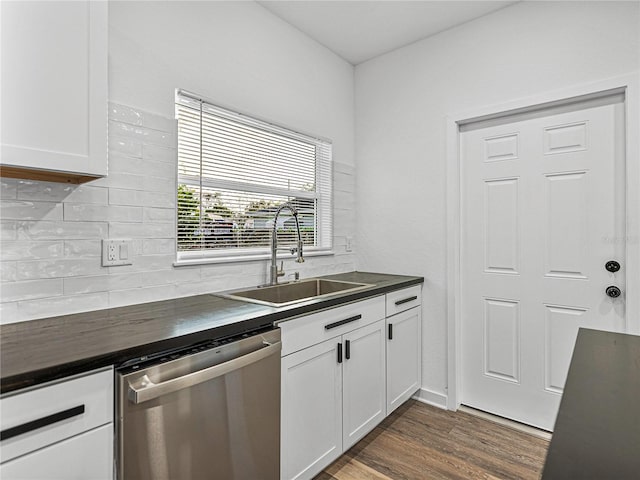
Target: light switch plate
(116, 252)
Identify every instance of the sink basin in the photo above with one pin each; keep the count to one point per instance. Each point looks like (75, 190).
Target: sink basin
(289, 293)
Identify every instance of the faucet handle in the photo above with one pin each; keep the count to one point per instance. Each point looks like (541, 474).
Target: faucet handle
(280, 271)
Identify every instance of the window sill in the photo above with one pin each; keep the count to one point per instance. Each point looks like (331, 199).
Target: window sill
(184, 262)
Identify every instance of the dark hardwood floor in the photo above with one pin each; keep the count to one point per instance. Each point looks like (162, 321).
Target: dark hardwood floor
(420, 442)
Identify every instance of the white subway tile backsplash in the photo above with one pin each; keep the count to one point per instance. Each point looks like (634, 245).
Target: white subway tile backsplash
(124, 114)
(102, 283)
(83, 248)
(125, 164)
(8, 272)
(15, 291)
(161, 169)
(155, 246)
(158, 122)
(153, 262)
(27, 210)
(43, 230)
(21, 250)
(146, 135)
(64, 305)
(173, 275)
(158, 199)
(61, 192)
(159, 215)
(121, 180)
(159, 184)
(142, 230)
(126, 146)
(65, 267)
(118, 196)
(118, 298)
(8, 312)
(160, 154)
(79, 212)
(8, 188)
(8, 230)
(51, 239)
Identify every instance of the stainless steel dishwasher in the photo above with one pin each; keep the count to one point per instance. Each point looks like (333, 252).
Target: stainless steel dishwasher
(211, 411)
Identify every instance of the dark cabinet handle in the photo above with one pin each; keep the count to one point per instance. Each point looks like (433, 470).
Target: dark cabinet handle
(41, 422)
(391, 331)
(406, 300)
(339, 353)
(347, 349)
(342, 322)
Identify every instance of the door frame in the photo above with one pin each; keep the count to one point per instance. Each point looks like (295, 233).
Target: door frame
(629, 85)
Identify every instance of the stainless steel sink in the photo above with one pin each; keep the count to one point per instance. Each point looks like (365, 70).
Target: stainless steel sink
(294, 292)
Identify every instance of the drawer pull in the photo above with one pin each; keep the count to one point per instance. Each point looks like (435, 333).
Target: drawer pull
(342, 322)
(347, 349)
(41, 422)
(339, 353)
(406, 300)
(391, 331)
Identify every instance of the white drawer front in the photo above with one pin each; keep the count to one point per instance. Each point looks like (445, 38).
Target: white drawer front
(404, 299)
(85, 456)
(87, 401)
(311, 329)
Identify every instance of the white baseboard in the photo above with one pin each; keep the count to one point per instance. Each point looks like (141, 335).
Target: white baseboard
(429, 397)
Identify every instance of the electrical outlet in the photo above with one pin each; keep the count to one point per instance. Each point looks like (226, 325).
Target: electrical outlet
(112, 252)
(349, 246)
(116, 252)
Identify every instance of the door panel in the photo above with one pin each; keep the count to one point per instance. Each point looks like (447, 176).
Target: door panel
(404, 362)
(364, 385)
(502, 339)
(540, 199)
(566, 227)
(312, 398)
(502, 232)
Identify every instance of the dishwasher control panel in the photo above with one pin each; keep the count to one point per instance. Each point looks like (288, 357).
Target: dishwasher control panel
(165, 356)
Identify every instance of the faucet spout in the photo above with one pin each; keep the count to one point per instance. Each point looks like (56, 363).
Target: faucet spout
(274, 271)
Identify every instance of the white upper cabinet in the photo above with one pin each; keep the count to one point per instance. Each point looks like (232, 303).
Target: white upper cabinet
(54, 90)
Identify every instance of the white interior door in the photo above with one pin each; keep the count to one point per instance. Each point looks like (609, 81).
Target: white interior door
(542, 212)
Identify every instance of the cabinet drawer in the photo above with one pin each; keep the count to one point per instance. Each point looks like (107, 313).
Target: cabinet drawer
(36, 418)
(311, 329)
(85, 456)
(404, 299)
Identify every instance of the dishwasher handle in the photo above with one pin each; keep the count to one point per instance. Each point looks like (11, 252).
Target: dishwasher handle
(145, 389)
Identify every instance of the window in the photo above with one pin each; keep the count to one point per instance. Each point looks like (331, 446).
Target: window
(234, 171)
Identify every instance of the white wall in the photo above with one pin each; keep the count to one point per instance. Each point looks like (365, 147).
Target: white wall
(403, 98)
(236, 53)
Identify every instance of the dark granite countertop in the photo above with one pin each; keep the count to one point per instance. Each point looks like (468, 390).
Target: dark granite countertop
(38, 351)
(597, 431)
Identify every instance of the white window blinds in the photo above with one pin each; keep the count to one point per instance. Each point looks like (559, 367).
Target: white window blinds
(233, 173)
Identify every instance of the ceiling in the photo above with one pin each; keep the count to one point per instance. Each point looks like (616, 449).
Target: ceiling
(360, 30)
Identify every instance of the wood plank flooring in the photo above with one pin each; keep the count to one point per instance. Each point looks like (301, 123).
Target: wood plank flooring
(420, 442)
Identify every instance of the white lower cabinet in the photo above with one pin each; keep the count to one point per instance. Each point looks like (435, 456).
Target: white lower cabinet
(333, 392)
(60, 430)
(85, 456)
(343, 371)
(403, 357)
(363, 382)
(311, 410)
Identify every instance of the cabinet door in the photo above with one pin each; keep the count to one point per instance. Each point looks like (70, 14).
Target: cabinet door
(85, 456)
(363, 381)
(54, 86)
(311, 410)
(403, 357)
